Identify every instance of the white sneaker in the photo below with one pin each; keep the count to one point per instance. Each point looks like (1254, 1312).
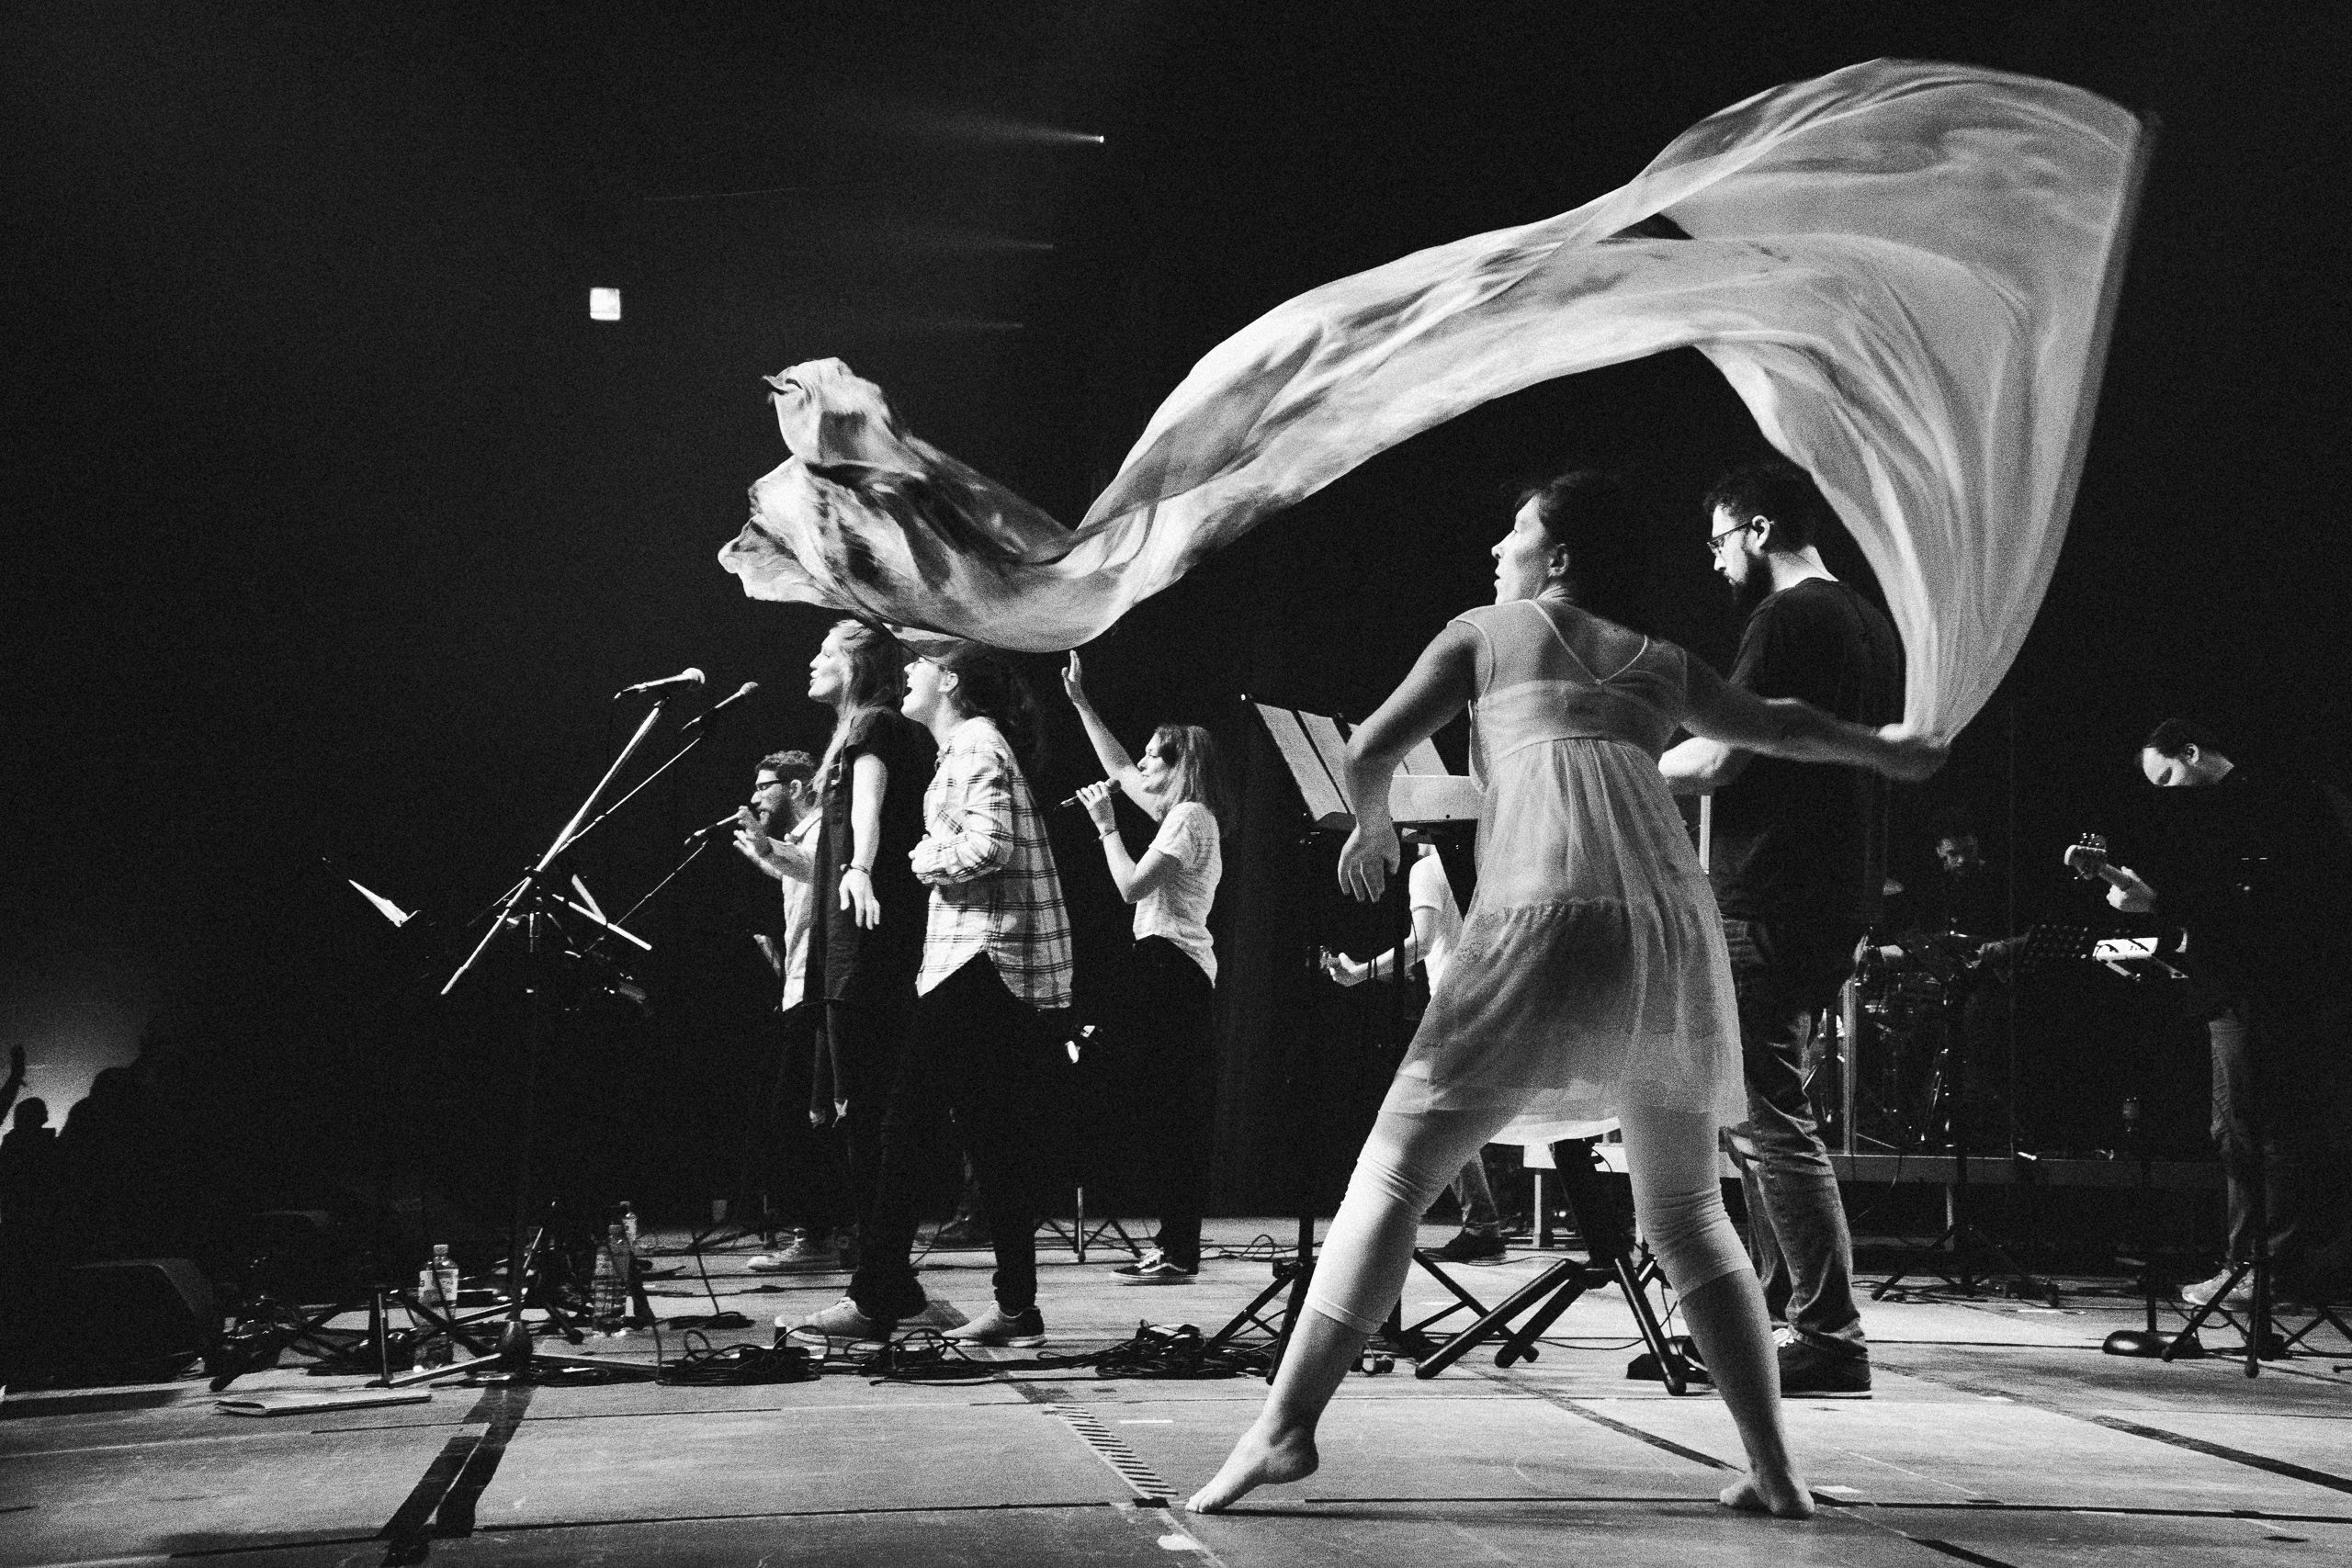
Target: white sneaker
(2202, 1293)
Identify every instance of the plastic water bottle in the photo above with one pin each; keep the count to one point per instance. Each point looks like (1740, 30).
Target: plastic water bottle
(609, 1293)
(445, 1277)
(627, 1217)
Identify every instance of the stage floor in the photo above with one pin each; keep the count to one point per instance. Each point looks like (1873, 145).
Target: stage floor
(1996, 1433)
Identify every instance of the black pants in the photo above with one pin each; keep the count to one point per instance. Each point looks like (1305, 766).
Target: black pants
(1169, 1024)
(977, 1051)
(864, 1040)
(2279, 1108)
(802, 1154)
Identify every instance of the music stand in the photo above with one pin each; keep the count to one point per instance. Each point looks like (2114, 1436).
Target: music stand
(1423, 794)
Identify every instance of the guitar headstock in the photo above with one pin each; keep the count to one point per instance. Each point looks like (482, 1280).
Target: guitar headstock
(2087, 855)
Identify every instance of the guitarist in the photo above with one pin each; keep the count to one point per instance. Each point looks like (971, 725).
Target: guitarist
(2255, 867)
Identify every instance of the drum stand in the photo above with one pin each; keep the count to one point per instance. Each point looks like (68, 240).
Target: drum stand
(1955, 1257)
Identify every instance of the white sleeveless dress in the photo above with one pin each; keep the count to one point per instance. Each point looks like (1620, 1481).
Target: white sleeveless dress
(1591, 973)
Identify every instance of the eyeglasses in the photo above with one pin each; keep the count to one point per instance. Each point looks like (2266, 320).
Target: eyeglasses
(1715, 541)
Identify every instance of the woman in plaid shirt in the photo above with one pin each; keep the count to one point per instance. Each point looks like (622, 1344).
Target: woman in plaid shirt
(996, 953)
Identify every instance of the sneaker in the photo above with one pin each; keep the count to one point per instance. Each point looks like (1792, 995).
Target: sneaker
(843, 1320)
(806, 1252)
(962, 1232)
(1153, 1269)
(1807, 1367)
(1470, 1247)
(997, 1326)
(2203, 1293)
(846, 1320)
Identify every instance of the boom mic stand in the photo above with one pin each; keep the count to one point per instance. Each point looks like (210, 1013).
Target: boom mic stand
(531, 903)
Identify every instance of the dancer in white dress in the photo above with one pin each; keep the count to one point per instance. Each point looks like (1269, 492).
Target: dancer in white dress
(1591, 978)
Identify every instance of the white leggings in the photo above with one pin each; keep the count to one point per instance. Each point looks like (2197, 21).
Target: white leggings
(1671, 1156)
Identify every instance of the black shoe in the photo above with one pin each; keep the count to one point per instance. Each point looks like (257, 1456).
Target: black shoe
(1469, 1247)
(1807, 1367)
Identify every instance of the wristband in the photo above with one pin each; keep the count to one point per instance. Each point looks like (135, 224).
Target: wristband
(853, 865)
(1108, 833)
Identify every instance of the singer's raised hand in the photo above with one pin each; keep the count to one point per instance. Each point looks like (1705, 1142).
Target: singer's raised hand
(1074, 682)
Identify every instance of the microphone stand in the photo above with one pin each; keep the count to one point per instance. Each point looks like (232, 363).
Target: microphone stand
(515, 1358)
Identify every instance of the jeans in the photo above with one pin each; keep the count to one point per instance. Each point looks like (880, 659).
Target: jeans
(1476, 1196)
(1784, 973)
(976, 1050)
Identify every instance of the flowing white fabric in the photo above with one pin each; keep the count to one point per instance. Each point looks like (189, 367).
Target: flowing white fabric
(1906, 271)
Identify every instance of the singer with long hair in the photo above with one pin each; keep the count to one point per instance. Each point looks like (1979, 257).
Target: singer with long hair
(996, 953)
(1167, 1017)
(867, 943)
(1591, 980)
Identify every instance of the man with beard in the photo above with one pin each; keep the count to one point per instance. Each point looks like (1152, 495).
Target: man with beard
(777, 832)
(1798, 864)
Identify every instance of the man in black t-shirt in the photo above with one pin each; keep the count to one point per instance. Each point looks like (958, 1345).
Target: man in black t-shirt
(1798, 860)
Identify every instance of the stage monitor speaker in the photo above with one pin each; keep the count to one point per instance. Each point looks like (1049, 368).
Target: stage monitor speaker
(140, 1320)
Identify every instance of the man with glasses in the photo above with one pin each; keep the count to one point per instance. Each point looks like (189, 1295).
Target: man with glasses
(777, 833)
(1798, 861)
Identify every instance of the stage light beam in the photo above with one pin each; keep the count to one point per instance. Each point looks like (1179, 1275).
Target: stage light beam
(603, 304)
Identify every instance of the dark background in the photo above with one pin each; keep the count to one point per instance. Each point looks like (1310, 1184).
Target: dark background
(334, 522)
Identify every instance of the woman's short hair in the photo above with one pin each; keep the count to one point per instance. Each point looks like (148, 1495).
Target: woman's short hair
(1592, 514)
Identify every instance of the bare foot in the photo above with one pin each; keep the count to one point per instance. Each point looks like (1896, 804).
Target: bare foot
(1257, 1461)
(1786, 1498)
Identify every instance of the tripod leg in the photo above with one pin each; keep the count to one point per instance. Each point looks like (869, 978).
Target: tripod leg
(1519, 1344)
(1527, 1295)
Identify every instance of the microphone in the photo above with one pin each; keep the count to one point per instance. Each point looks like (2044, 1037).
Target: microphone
(726, 821)
(745, 690)
(1073, 800)
(686, 677)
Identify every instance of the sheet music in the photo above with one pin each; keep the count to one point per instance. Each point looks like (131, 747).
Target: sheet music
(1307, 765)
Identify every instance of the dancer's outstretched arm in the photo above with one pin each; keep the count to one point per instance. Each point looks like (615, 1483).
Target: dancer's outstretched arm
(1790, 727)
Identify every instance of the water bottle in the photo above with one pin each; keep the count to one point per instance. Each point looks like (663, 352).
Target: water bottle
(609, 1294)
(627, 1217)
(445, 1277)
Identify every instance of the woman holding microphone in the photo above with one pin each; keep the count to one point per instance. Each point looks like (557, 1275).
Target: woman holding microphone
(1172, 978)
